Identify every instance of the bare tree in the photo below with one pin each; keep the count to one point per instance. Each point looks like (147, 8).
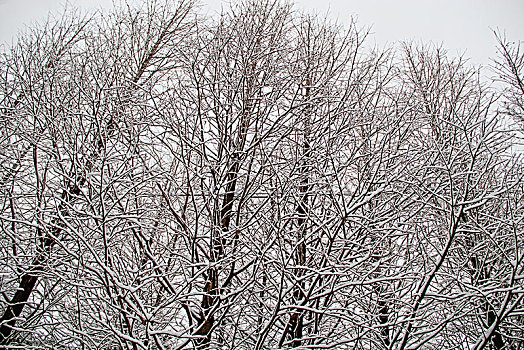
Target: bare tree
(464, 153)
(259, 179)
(72, 154)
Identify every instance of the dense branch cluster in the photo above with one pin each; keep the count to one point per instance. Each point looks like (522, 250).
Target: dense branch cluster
(255, 180)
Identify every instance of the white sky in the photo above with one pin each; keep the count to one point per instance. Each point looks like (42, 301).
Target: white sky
(462, 26)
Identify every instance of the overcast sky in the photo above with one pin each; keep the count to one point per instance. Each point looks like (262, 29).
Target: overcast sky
(462, 26)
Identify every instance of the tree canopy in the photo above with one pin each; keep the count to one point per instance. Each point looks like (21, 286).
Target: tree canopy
(256, 180)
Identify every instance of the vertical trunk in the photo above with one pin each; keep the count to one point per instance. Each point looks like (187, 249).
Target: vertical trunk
(16, 305)
(383, 311)
(496, 337)
(295, 326)
(383, 318)
(302, 211)
(297, 319)
(212, 288)
(30, 277)
(477, 268)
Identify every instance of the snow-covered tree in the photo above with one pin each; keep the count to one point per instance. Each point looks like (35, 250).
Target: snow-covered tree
(259, 179)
